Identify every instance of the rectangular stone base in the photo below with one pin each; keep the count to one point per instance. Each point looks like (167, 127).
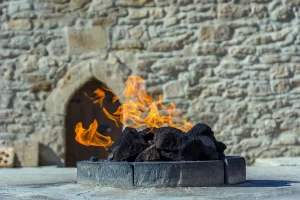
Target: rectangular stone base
(178, 174)
(117, 174)
(235, 170)
(162, 174)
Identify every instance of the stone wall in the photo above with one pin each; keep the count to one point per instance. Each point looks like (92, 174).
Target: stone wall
(234, 65)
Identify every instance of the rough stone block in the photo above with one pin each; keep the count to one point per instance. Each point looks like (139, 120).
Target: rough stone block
(135, 3)
(163, 174)
(174, 89)
(232, 11)
(235, 170)
(117, 174)
(7, 157)
(179, 174)
(86, 40)
(27, 153)
(19, 24)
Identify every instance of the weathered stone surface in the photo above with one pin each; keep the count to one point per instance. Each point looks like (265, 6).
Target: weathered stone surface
(174, 89)
(75, 4)
(164, 46)
(280, 86)
(171, 21)
(242, 52)
(283, 14)
(57, 48)
(43, 86)
(138, 14)
(117, 174)
(19, 24)
(235, 170)
(178, 174)
(293, 2)
(149, 154)
(215, 33)
(157, 13)
(105, 21)
(136, 32)
(223, 32)
(232, 11)
(15, 7)
(85, 40)
(212, 51)
(135, 3)
(207, 33)
(128, 44)
(7, 156)
(279, 71)
(27, 153)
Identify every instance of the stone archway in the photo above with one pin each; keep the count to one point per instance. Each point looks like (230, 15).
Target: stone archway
(109, 71)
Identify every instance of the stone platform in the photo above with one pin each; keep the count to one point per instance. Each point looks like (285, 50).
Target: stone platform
(263, 183)
(162, 174)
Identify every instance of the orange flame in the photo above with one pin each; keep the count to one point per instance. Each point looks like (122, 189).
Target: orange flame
(100, 94)
(138, 111)
(91, 136)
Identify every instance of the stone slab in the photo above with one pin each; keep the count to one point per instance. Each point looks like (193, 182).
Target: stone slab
(26, 153)
(7, 157)
(117, 174)
(86, 39)
(151, 174)
(179, 174)
(235, 170)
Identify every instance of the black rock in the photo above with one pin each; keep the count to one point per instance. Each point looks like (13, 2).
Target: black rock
(128, 146)
(148, 134)
(171, 155)
(195, 148)
(149, 154)
(210, 149)
(112, 154)
(192, 150)
(221, 148)
(94, 159)
(202, 130)
(167, 144)
(169, 138)
(118, 141)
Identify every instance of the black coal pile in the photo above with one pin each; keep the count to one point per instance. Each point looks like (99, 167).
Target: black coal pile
(167, 144)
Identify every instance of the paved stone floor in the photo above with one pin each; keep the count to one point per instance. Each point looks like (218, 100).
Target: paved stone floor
(60, 183)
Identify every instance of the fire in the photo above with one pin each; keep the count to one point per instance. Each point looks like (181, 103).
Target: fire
(91, 137)
(138, 111)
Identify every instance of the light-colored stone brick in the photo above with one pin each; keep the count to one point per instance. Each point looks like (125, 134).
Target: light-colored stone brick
(19, 24)
(86, 39)
(27, 153)
(174, 89)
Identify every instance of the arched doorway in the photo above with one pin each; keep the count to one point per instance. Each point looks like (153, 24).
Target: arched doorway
(82, 109)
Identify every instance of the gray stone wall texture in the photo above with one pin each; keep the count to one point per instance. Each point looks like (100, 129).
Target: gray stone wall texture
(234, 65)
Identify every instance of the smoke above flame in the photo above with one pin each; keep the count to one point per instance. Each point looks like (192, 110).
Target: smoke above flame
(138, 111)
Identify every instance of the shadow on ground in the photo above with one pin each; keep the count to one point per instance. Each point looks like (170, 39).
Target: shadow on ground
(265, 183)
